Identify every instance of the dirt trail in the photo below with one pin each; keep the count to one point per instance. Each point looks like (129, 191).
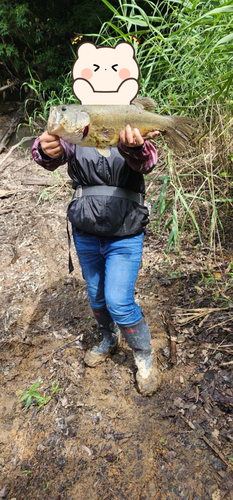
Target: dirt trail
(97, 438)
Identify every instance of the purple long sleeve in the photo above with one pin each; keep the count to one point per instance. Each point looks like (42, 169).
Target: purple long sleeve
(52, 163)
(142, 158)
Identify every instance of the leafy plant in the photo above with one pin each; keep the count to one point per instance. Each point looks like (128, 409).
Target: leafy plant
(37, 35)
(163, 441)
(172, 35)
(33, 397)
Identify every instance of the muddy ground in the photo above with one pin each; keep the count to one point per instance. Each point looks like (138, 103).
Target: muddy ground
(97, 438)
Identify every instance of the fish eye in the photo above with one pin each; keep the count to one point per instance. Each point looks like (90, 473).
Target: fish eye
(63, 108)
(97, 67)
(113, 67)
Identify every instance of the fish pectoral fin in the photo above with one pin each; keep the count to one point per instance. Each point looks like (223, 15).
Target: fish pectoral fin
(150, 134)
(106, 134)
(146, 103)
(104, 151)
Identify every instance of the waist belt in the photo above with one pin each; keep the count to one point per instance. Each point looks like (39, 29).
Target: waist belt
(109, 191)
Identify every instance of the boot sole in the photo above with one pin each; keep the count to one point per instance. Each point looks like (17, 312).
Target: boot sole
(147, 387)
(91, 359)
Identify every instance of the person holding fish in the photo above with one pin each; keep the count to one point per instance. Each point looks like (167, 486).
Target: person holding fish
(108, 151)
(108, 230)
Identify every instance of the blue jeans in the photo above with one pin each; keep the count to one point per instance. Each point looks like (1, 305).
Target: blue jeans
(110, 267)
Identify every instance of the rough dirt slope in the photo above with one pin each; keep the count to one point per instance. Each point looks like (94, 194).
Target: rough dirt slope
(97, 438)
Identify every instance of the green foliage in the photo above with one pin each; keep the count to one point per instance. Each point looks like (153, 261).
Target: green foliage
(185, 57)
(179, 204)
(33, 397)
(37, 35)
(219, 283)
(190, 200)
(185, 52)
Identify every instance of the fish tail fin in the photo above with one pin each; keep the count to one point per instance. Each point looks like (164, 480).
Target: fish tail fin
(179, 131)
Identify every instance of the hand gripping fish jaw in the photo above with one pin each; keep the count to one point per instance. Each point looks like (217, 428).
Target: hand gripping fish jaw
(64, 123)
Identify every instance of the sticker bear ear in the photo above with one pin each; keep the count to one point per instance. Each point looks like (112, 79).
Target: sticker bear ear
(85, 49)
(125, 48)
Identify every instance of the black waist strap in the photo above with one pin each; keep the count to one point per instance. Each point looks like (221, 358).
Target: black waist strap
(109, 191)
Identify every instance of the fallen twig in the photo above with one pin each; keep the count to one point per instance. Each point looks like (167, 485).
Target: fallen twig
(26, 106)
(227, 363)
(63, 346)
(216, 450)
(219, 347)
(40, 181)
(5, 194)
(6, 210)
(207, 441)
(22, 166)
(221, 323)
(173, 339)
(12, 84)
(189, 315)
(16, 146)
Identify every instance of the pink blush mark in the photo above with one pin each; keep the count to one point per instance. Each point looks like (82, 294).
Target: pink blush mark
(124, 73)
(86, 73)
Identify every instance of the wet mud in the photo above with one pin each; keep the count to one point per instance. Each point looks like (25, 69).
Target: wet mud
(97, 438)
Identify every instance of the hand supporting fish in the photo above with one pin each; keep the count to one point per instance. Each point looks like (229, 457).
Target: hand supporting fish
(52, 147)
(133, 138)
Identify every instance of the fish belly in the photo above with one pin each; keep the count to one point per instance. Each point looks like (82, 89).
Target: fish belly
(106, 122)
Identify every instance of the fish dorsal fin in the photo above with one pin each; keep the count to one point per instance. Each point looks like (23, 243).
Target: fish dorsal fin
(146, 103)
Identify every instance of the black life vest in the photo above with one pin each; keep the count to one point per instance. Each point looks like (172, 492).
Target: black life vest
(103, 215)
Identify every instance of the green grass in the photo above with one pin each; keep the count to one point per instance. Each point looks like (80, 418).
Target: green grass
(185, 57)
(33, 397)
(185, 53)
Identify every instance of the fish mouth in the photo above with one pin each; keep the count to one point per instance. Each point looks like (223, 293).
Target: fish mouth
(52, 127)
(53, 121)
(85, 132)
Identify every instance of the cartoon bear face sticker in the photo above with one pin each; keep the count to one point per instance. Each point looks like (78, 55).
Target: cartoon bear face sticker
(105, 75)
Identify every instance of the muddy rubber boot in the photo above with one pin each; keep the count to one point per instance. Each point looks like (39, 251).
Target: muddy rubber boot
(148, 376)
(110, 342)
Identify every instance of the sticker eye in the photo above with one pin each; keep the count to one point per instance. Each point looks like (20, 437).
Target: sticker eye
(97, 67)
(114, 67)
(63, 108)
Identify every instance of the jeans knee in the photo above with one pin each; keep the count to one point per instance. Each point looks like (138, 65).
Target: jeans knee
(124, 314)
(116, 312)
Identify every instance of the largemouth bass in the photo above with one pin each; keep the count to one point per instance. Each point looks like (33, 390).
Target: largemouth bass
(100, 126)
